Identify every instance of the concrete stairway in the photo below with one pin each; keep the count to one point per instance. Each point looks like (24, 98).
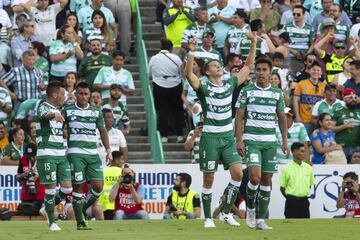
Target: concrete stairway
(139, 147)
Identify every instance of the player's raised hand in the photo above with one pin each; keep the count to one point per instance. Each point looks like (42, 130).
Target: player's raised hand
(252, 36)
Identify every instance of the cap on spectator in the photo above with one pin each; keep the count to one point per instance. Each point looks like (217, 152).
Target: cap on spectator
(30, 150)
(348, 92)
(241, 13)
(289, 111)
(330, 86)
(208, 33)
(115, 86)
(328, 22)
(339, 44)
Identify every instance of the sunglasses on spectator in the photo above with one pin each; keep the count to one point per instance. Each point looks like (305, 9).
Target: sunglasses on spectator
(30, 26)
(297, 14)
(340, 47)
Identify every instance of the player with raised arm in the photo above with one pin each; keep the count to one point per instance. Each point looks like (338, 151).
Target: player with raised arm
(217, 140)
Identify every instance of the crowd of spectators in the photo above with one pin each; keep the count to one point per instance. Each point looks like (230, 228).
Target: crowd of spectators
(314, 46)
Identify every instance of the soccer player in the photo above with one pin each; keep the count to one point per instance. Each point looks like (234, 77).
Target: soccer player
(217, 140)
(82, 120)
(258, 106)
(52, 164)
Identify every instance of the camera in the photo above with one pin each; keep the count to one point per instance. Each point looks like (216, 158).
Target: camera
(31, 183)
(127, 179)
(349, 185)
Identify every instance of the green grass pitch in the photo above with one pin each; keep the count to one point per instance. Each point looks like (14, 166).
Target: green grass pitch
(319, 229)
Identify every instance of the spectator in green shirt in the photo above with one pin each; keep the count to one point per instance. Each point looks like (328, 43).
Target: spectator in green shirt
(90, 66)
(296, 180)
(14, 150)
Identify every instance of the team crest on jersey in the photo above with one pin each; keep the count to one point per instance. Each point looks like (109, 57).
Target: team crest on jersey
(243, 99)
(304, 89)
(93, 113)
(73, 117)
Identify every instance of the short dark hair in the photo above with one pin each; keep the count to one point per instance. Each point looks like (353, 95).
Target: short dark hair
(256, 24)
(265, 60)
(296, 146)
(118, 53)
(106, 110)
(82, 85)
(322, 116)
(356, 64)
(40, 47)
(351, 175)
(240, 13)
(278, 55)
(185, 177)
(116, 154)
(53, 87)
(231, 56)
(166, 44)
(300, 7)
(330, 86)
(315, 64)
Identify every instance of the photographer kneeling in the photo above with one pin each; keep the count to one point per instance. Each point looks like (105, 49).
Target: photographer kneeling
(183, 203)
(32, 192)
(128, 195)
(349, 197)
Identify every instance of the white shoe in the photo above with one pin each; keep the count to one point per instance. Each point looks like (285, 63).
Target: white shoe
(229, 219)
(251, 218)
(209, 223)
(263, 226)
(54, 227)
(43, 213)
(221, 216)
(164, 140)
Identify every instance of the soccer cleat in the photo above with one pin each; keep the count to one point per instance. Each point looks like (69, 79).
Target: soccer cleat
(83, 226)
(251, 218)
(263, 226)
(209, 223)
(43, 213)
(229, 219)
(54, 227)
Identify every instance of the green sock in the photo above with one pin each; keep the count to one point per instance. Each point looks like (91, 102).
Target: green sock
(90, 199)
(231, 192)
(250, 197)
(77, 203)
(49, 207)
(264, 200)
(206, 201)
(59, 197)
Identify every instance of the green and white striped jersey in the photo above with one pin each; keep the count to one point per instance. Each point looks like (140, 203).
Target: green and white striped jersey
(120, 113)
(323, 107)
(300, 36)
(196, 31)
(243, 48)
(207, 56)
(6, 99)
(216, 104)
(296, 133)
(235, 35)
(49, 133)
(342, 31)
(261, 106)
(82, 124)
